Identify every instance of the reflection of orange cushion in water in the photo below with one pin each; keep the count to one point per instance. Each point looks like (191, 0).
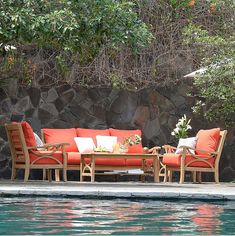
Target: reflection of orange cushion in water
(122, 134)
(206, 218)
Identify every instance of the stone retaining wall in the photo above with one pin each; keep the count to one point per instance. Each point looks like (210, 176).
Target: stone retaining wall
(154, 111)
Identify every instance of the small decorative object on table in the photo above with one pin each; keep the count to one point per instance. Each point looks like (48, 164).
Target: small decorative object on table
(128, 141)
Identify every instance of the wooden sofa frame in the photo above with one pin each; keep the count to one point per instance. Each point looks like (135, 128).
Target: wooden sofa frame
(101, 169)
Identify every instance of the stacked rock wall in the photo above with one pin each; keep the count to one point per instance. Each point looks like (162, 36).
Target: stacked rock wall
(154, 111)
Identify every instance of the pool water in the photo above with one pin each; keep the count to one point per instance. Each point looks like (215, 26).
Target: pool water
(116, 216)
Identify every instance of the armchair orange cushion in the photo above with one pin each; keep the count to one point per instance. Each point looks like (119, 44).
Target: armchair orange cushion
(28, 134)
(62, 136)
(174, 160)
(122, 134)
(45, 160)
(207, 140)
(81, 132)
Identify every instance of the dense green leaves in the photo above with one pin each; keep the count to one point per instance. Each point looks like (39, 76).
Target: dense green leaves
(77, 26)
(215, 86)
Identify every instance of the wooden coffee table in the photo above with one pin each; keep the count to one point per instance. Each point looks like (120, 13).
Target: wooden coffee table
(88, 166)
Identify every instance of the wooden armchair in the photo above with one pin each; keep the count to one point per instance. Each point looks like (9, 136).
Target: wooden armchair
(26, 155)
(206, 158)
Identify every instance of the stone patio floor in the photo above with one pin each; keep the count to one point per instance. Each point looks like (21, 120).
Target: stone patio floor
(205, 191)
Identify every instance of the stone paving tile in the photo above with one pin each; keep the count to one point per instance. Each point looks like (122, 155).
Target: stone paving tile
(205, 191)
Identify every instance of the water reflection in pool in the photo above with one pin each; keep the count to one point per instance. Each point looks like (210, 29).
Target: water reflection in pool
(119, 216)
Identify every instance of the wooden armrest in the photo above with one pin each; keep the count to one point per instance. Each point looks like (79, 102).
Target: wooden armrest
(168, 148)
(154, 150)
(204, 151)
(49, 145)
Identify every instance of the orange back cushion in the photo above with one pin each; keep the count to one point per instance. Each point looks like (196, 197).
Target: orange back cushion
(81, 132)
(207, 140)
(61, 136)
(122, 134)
(28, 134)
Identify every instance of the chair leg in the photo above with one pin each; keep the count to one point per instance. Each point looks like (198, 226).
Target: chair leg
(44, 174)
(165, 175)
(217, 176)
(194, 176)
(170, 175)
(49, 175)
(26, 174)
(57, 175)
(199, 177)
(182, 176)
(65, 175)
(13, 173)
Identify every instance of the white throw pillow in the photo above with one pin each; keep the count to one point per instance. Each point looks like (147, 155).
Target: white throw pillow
(106, 142)
(38, 141)
(84, 145)
(189, 142)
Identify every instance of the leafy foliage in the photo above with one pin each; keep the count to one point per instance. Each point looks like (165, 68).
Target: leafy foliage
(76, 26)
(216, 85)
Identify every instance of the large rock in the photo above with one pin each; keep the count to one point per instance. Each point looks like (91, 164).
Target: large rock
(141, 116)
(35, 95)
(6, 106)
(23, 105)
(50, 107)
(152, 128)
(44, 116)
(52, 95)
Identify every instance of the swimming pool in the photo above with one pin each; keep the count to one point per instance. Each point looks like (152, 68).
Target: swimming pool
(114, 216)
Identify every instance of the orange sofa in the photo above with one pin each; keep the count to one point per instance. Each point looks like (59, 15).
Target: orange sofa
(73, 160)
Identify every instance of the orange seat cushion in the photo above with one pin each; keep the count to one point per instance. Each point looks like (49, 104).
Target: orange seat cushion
(122, 134)
(73, 158)
(28, 134)
(104, 161)
(62, 136)
(137, 162)
(46, 160)
(174, 160)
(207, 140)
(110, 161)
(81, 132)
